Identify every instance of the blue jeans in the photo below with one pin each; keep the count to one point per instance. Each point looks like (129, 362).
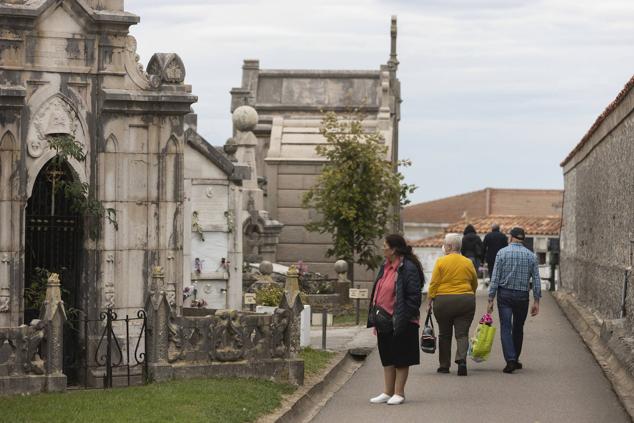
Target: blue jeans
(513, 309)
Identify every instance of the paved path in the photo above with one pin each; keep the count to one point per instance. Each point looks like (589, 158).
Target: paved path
(342, 338)
(560, 382)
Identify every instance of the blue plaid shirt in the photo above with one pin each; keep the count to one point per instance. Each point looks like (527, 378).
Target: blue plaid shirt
(515, 265)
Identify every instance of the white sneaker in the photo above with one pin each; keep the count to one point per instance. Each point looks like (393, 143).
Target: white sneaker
(396, 400)
(380, 399)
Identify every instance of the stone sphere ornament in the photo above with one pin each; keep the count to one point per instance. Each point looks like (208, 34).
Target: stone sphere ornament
(341, 266)
(266, 267)
(230, 147)
(245, 118)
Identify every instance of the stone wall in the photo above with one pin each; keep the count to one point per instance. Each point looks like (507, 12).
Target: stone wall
(598, 222)
(223, 343)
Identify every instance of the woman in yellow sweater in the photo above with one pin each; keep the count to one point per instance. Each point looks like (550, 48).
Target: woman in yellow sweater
(452, 296)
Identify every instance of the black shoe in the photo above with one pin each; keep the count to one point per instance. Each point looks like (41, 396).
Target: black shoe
(518, 365)
(443, 370)
(510, 367)
(462, 369)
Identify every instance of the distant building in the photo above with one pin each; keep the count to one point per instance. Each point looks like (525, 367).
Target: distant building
(538, 231)
(423, 220)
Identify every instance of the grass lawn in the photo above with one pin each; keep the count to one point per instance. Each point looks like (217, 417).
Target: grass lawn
(349, 319)
(315, 360)
(195, 400)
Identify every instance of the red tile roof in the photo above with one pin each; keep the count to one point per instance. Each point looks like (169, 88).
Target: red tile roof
(532, 225)
(608, 110)
(435, 241)
(486, 202)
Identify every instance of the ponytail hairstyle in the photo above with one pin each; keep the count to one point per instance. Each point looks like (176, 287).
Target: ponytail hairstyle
(400, 247)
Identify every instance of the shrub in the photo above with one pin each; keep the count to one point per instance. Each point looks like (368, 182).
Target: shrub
(269, 295)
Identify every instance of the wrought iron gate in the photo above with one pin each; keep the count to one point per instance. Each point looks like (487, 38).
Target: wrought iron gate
(117, 355)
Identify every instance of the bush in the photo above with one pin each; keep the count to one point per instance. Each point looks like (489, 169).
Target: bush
(269, 295)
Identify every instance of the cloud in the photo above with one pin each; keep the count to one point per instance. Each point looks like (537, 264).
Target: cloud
(480, 78)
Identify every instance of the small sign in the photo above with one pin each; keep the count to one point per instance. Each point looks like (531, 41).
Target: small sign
(360, 294)
(249, 298)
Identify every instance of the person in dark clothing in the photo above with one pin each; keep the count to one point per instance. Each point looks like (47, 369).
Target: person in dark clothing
(397, 290)
(472, 246)
(494, 241)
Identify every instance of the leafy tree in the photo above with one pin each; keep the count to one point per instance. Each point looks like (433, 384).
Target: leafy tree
(357, 193)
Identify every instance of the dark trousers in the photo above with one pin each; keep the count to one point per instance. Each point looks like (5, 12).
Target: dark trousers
(490, 265)
(512, 309)
(453, 312)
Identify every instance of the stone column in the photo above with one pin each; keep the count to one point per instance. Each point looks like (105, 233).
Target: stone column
(53, 315)
(292, 284)
(343, 284)
(157, 309)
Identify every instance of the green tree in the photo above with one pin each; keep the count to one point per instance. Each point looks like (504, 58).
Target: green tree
(357, 193)
(67, 147)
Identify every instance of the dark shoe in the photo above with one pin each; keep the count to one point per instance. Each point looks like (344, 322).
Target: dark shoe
(510, 367)
(443, 370)
(462, 369)
(518, 365)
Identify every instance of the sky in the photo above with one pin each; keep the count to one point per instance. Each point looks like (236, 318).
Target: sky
(495, 93)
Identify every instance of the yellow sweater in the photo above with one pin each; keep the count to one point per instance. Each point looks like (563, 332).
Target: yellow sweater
(453, 274)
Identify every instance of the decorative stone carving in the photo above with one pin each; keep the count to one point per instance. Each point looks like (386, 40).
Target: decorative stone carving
(279, 328)
(54, 117)
(109, 294)
(171, 284)
(168, 66)
(5, 301)
(34, 363)
(177, 337)
(228, 335)
(5, 294)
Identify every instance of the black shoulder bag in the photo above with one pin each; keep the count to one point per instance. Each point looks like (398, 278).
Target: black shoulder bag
(428, 337)
(381, 319)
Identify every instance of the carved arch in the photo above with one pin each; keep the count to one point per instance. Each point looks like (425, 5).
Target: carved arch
(8, 163)
(7, 142)
(172, 146)
(55, 114)
(112, 144)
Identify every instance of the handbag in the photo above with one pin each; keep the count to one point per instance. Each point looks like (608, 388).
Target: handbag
(428, 337)
(381, 319)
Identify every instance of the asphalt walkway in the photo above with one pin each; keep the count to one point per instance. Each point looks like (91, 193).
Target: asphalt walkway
(560, 382)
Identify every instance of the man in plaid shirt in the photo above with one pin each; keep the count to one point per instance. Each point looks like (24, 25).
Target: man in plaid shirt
(515, 266)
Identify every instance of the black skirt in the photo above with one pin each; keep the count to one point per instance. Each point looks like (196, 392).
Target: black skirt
(402, 350)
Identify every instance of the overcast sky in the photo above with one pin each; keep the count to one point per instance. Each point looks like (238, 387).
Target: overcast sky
(496, 92)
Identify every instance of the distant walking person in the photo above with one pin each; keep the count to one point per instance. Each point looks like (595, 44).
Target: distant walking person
(394, 313)
(451, 294)
(472, 246)
(515, 266)
(493, 242)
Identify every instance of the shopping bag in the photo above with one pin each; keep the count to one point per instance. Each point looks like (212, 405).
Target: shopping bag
(482, 341)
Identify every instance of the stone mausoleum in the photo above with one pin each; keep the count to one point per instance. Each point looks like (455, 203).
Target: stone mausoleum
(69, 70)
(290, 106)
